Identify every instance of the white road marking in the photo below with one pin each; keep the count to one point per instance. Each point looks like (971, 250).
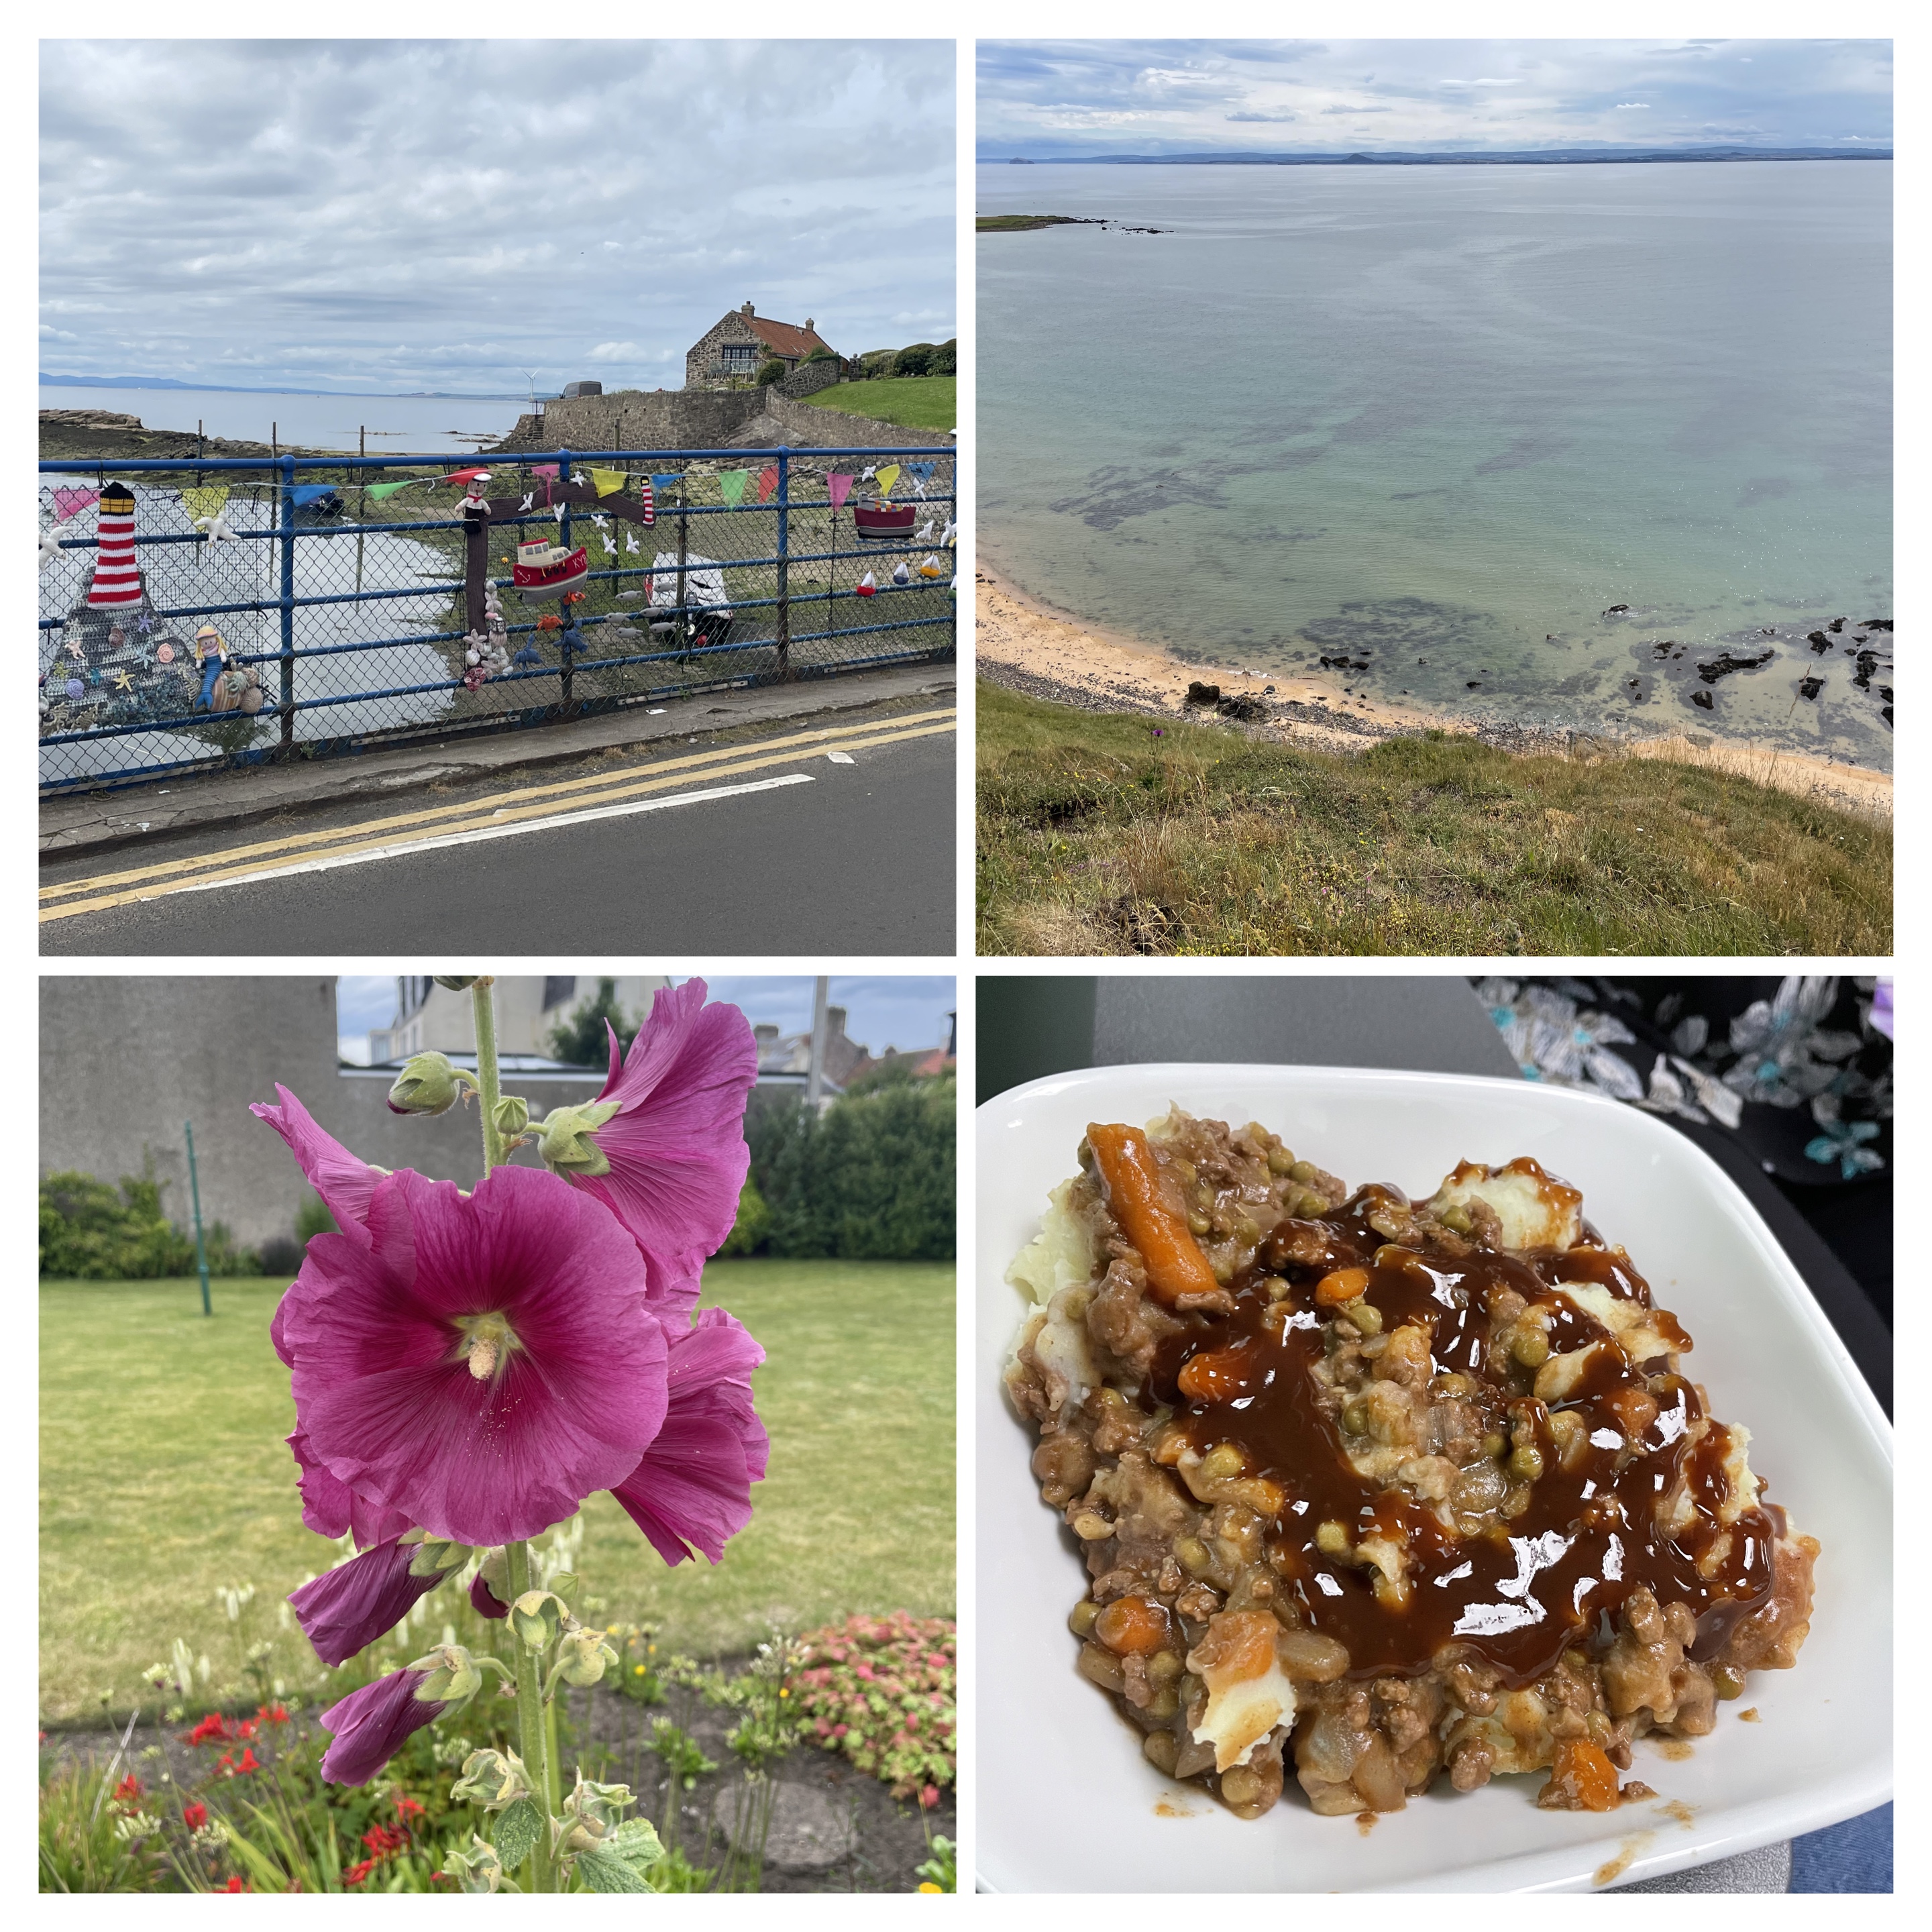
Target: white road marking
(407, 847)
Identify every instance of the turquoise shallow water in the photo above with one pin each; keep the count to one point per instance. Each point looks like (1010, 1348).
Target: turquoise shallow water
(1455, 415)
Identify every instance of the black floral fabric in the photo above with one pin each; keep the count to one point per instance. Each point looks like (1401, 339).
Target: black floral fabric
(1799, 1070)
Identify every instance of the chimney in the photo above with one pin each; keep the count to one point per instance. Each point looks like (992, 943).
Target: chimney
(748, 310)
(835, 1022)
(765, 1035)
(807, 324)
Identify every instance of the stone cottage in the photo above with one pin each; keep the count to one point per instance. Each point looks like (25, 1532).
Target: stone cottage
(729, 356)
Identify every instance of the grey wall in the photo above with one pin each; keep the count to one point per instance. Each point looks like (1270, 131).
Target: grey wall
(699, 419)
(125, 1060)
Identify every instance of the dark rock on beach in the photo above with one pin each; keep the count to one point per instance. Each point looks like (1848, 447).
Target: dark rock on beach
(1616, 610)
(1810, 687)
(1244, 710)
(1818, 640)
(1199, 693)
(1702, 699)
(1727, 661)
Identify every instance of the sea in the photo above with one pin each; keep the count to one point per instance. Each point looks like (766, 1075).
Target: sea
(395, 425)
(1436, 425)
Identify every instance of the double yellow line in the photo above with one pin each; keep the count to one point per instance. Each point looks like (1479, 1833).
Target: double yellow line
(409, 829)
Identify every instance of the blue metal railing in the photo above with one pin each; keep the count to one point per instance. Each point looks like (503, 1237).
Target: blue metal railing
(127, 698)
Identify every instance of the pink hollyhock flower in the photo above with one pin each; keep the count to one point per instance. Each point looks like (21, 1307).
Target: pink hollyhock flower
(663, 1145)
(371, 1725)
(483, 1599)
(344, 1183)
(479, 1363)
(330, 1507)
(693, 1486)
(346, 1608)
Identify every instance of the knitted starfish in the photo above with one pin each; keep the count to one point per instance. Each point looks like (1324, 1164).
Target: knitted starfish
(50, 543)
(217, 528)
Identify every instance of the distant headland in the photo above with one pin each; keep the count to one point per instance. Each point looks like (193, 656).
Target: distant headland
(1521, 157)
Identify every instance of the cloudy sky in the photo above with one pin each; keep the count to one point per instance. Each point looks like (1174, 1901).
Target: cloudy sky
(887, 1009)
(390, 216)
(1044, 97)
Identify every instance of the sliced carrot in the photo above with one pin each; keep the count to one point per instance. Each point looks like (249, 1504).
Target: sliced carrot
(1176, 1267)
(1582, 1775)
(1219, 1375)
(1133, 1627)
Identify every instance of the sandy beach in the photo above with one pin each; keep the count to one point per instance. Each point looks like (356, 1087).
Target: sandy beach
(1042, 654)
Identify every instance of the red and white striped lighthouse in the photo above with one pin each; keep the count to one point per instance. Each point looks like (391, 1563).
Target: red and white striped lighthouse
(117, 582)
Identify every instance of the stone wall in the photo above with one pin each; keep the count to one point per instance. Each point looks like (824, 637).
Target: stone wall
(699, 419)
(125, 1060)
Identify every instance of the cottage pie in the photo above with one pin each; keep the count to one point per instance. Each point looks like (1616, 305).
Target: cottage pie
(1387, 1490)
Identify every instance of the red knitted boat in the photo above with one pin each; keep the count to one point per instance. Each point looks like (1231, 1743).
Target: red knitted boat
(883, 520)
(545, 569)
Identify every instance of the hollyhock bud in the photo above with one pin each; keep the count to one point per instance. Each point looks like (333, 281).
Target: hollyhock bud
(566, 1143)
(491, 1780)
(371, 1725)
(456, 982)
(591, 1812)
(584, 1657)
(478, 1870)
(510, 1115)
(450, 1676)
(345, 1609)
(536, 1617)
(428, 1084)
(490, 1588)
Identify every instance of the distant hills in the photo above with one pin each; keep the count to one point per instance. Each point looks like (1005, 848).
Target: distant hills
(240, 389)
(1530, 157)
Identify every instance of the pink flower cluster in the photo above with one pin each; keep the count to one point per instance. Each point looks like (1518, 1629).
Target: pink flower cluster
(880, 1691)
(475, 1365)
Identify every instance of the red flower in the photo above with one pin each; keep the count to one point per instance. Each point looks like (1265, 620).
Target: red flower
(128, 1791)
(407, 1808)
(247, 1728)
(276, 1714)
(381, 1840)
(234, 1885)
(356, 1873)
(195, 1816)
(929, 1797)
(213, 1729)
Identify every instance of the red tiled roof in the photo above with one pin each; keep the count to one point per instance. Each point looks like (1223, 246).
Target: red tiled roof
(783, 338)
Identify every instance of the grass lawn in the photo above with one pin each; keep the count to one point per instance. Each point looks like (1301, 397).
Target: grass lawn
(1096, 837)
(164, 1477)
(920, 402)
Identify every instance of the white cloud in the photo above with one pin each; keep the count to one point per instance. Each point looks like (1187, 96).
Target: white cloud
(1622, 104)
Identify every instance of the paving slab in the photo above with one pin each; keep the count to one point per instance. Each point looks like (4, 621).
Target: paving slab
(80, 822)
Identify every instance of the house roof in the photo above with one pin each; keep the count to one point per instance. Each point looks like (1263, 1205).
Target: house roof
(784, 338)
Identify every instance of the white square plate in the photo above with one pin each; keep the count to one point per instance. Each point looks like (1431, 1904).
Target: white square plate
(1065, 1802)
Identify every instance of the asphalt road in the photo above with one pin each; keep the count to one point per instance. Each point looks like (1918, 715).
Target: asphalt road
(766, 845)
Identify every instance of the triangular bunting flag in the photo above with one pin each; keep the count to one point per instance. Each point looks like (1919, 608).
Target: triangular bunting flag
(69, 503)
(378, 490)
(840, 485)
(888, 476)
(731, 484)
(609, 481)
(200, 503)
(768, 481)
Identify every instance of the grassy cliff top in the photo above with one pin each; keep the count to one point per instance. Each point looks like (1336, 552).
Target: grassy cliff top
(918, 402)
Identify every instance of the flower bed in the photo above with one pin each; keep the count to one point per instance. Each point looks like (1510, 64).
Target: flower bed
(880, 1691)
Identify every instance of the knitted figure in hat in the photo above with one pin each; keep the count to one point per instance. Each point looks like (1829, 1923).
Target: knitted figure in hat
(211, 655)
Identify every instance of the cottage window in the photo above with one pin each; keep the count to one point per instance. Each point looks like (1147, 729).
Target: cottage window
(738, 353)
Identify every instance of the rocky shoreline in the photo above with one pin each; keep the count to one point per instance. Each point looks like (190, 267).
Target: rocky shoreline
(1041, 655)
(107, 436)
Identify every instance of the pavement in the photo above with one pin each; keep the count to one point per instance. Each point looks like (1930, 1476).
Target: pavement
(826, 830)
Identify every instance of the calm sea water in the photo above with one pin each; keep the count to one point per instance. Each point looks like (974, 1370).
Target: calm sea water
(1402, 414)
(398, 425)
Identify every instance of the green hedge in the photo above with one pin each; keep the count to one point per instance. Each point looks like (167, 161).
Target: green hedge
(870, 1179)
(91, 1231)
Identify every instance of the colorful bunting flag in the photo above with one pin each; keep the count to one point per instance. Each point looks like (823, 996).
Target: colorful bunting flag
(609, 481)
(921, 470)
(546, 469)
(840, 485)
(731, 484)
(378, 490)
(768, 481)
(200, 503)
(666, 482)
(888, 476)
(69, 503)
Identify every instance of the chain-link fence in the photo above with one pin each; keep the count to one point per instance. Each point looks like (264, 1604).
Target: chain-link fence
(198, 615)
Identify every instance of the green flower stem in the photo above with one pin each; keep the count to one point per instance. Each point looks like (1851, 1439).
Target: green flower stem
(483, 1004)
(531, 1730)
(553, 1757)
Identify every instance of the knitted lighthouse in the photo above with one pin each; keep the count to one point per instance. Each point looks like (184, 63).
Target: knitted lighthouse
(117, 581)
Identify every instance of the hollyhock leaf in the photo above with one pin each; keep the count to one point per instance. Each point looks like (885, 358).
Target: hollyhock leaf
(605, 1871)
(692, 1486)
(676, 1145)
(371, 1725)
(344, 1183)
(518, 1830)
(385, 1379)
(345, 1609)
